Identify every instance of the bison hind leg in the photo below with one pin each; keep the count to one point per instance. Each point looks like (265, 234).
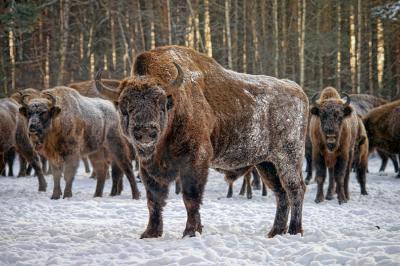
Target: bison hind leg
(270, 177)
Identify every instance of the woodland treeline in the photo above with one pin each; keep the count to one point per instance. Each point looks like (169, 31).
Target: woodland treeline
(353, 45)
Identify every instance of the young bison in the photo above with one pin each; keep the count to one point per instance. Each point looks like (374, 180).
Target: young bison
(65, 126)
(335, 130)
(184, 113)
(14, 135)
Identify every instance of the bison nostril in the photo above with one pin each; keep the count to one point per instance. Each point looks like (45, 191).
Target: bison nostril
(137, 136)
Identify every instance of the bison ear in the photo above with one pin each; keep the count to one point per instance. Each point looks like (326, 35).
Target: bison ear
(314, 111)
(170, 102)
(347, 110)
(23, 111)
(54, 111)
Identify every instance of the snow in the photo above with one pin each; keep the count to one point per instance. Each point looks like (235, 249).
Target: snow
(83, 230)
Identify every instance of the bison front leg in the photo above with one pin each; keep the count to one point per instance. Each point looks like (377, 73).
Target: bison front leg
(57, 173)
(246, 180)
(119, 152)
(269, 175)
(156, 194)
(193, 182)
(2, 164)
(331, 186)
(341, 167)
(71, 166)
(320, 168)
(116, 175)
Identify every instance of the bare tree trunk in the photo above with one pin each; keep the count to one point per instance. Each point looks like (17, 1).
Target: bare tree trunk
(64, 33)
(381, 53)
(302, 11)
(207, 31)
(353, 52)
(228, 32)
(276, 37)
(339, 48)
(284, 38)
(359, 42)
(112, 31)
(12, 50)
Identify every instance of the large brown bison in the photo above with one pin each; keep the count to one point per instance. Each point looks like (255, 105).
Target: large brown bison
(382, 125)
(184, 113)
(335, 130)
(64, 126)
(361, 104)
(14, 135)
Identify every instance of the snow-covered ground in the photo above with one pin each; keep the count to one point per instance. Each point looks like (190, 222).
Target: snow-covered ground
(83, 230)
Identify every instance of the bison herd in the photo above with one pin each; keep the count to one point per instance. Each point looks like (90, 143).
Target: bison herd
(181, 113)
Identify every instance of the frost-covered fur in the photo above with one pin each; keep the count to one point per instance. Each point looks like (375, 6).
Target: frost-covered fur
(64, 126)
(212, 117)
(13, 134)
(335, 129)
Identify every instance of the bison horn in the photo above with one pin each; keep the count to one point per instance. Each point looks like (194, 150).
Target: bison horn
(51, 98)
(103, 89)
(23, 102)
(179, 78)
(348, 100)
(314, 98)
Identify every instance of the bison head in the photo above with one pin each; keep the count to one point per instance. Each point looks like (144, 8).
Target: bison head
(331, 114)
(39, 111)
(144, 106)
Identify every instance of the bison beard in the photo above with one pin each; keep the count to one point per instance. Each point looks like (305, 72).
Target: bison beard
(186, 113)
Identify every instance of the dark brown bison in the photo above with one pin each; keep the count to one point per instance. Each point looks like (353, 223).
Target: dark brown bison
(335, 130)
(382, 125)
(14, 135)
(184, 113)
(361, 104)
(65, 126)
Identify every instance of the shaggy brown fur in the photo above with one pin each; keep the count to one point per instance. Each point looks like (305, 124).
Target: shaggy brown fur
(334, 131)
(14, 135)
(382, 125)
(361, 104)
(183, 121)
(64, 126)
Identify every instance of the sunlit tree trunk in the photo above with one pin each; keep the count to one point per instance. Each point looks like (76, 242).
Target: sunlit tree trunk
(284, 38)
(339, 48)
(302, 11)
(359, 42)
(228, 32)
(380, 53)
(64, 33)
(353, 52)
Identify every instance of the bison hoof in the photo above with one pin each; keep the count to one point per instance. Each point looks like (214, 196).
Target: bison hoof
(277, 231)
(319, 199)
(364, 192)
(67, 194)
(329, 196)
(249, 196)
(307, 181)
(98, 195)
(294, 230)
(55, 197)
(151, 234)
(341, 201)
